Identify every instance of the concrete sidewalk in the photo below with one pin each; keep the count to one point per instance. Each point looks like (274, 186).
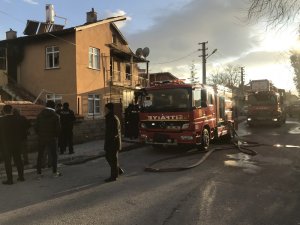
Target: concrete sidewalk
(86, 151)
(82, 153)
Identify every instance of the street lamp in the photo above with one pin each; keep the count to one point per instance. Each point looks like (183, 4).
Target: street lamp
(213, 52)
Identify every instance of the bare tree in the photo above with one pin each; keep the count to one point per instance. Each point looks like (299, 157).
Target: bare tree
(193, 78)
(275, 11)
(230, 76)
(295, 62)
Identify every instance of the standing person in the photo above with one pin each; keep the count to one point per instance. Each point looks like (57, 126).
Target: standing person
(67, 119)
(25, 125)
(58, 109)
(47, 128)
(10, 141)
(128, 128)
(112, 142)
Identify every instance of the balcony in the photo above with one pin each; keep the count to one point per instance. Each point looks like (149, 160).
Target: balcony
(125, 80)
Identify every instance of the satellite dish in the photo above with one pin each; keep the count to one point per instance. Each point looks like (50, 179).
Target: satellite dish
(139, 52)
(146, 52)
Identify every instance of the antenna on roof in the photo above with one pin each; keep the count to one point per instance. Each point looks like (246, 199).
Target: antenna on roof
(139, 52)
(146, 52)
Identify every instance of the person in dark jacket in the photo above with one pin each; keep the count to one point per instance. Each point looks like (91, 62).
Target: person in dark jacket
(58, 109)
(25, 125)
(67, 119)
(47, 128)
(112, 142)
(10, 141)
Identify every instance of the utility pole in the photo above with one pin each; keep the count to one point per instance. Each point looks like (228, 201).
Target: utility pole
(204, 55)
(242, 79)
(242, 76)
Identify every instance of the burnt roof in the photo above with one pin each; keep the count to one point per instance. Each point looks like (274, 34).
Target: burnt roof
(58, 33)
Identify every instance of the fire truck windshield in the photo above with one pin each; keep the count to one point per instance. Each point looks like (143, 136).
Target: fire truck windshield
(262, 99)
(167, 100)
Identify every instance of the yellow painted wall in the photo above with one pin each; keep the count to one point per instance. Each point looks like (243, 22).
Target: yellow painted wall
(74, 80)
(34, 76)
(3, 78)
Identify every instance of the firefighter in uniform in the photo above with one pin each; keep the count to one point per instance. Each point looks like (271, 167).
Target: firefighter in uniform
(67, 119)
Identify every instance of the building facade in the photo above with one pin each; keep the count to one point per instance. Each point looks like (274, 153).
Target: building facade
(87, 66)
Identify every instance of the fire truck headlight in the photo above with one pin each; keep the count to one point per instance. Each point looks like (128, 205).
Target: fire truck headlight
(185, 126)
(143, 125)
(249, 119)
(275, 119)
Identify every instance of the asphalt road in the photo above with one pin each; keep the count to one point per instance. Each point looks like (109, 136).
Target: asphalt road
(228, 188)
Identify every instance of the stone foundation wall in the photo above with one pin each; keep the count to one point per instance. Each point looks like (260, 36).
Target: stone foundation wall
(84, 131)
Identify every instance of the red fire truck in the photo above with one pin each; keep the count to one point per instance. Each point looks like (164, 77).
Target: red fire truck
(176, 113)
(266, 104)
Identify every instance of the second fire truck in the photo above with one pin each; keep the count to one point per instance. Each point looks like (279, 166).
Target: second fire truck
(176, 113)
(266, 104)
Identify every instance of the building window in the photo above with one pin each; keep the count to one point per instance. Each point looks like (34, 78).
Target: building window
(94, 58)
(54, 97)
(2, 59)
(52, 57)
(93, 104)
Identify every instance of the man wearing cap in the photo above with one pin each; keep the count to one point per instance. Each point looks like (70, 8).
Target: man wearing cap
(112, 142)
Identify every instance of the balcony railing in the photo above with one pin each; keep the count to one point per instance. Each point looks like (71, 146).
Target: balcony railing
(125, 80)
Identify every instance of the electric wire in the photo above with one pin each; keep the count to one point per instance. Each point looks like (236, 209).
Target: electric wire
(175, 60)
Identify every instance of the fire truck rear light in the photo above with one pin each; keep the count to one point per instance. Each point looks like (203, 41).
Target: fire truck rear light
(187, 138)
(185, 126)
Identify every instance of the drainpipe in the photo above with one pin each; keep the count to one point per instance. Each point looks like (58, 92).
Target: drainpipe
(131, 70)
(148, 75)
(111, 76)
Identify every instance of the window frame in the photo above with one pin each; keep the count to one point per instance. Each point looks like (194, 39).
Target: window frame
(94, 98)
(54, 97)
(94, 56)
(52, 55)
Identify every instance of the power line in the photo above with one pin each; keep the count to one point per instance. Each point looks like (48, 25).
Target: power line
(177, 59)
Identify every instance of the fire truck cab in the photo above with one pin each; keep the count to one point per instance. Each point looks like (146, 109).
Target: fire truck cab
(266, 104)
(176, 113)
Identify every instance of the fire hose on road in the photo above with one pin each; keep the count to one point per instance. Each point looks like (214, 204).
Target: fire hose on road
(242, 145)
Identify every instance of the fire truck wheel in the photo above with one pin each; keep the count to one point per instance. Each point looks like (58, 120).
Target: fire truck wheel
(205, 140)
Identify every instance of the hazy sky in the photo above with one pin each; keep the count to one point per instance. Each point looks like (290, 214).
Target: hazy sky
(172, 30)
